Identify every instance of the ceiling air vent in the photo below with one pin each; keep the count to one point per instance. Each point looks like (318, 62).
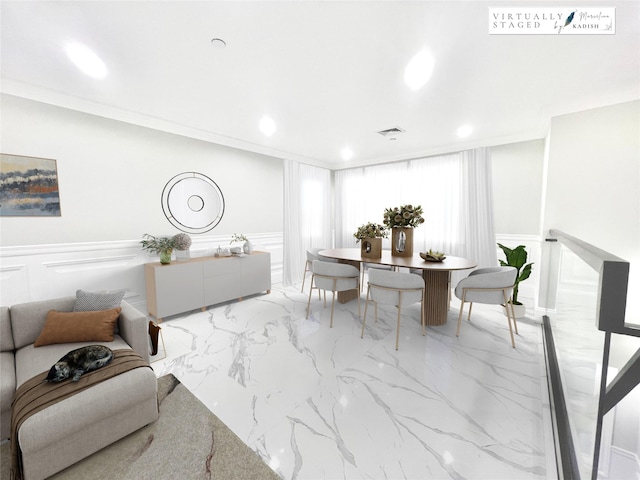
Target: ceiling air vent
(391, 133)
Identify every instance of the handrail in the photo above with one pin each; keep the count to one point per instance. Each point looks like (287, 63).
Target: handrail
(612, 289)
(613, 277)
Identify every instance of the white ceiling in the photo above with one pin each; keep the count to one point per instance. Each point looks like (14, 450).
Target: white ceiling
(329, 73)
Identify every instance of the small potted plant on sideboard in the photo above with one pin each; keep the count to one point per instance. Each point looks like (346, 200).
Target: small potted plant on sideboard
(162, 246)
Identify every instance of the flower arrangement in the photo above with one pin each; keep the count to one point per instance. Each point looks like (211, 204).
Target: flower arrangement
(403, 216)
(181, 241)
(238, 237)
(157, 244)
(371, 230)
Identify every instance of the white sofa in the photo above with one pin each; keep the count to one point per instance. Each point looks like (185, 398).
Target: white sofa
(76, 427)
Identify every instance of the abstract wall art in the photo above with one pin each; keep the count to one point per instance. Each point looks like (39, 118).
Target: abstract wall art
(28, 186)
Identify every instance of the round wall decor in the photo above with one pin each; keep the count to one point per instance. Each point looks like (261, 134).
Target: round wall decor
(192, 202)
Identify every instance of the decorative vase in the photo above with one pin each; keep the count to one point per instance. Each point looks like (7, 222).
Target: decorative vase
(247, 247)
(402, 241)
(371, 247)
(165, 256)
(183, 254)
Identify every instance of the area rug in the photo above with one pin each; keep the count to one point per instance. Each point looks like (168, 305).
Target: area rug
(187, 441)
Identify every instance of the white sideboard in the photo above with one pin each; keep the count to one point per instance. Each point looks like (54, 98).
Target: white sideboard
(187, 285)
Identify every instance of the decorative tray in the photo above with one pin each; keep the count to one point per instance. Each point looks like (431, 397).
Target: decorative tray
(432, 257)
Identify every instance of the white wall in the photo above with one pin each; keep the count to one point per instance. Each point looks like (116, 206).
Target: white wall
(517, 187)
(593, 183)
(111, 175)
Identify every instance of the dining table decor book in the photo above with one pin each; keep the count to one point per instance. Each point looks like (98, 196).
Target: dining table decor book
(402, 220)
(29, 187)
(370, 237)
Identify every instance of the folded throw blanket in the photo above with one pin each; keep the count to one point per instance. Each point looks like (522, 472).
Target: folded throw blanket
(37, 394)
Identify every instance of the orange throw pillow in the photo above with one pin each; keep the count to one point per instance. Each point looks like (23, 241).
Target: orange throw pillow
(69, 327)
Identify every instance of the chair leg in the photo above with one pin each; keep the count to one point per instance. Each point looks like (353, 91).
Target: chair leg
(509, 315)
(513, 315)
(310, 291)
(304, 275)
(470, 307)
(464, 294)
(422, 316)
(399, 312)
(366, 305)
(333, 300)
(398, 327)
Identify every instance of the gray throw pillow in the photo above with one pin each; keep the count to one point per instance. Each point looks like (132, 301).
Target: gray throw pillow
(91, 302)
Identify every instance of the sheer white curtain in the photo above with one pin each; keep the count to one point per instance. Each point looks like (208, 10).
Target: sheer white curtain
(307, 215)
(454, 191)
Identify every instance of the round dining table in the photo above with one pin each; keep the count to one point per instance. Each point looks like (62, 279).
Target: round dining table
(436, 277)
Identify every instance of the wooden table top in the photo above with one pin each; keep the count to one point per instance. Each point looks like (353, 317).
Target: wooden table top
(353, 254)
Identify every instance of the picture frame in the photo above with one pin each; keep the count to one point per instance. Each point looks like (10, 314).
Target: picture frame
(28, 186)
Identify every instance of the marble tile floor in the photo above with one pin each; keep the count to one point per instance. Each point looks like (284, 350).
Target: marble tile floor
(322, 403)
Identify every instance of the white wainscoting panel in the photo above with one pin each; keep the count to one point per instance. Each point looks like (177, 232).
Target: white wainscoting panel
(30, 273)
(14, 283)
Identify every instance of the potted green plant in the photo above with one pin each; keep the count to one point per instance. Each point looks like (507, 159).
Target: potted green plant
(517, 258)
(162, 246)
(371, 235)
(402, 220)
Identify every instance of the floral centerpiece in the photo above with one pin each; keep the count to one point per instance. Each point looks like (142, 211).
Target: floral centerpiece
(406, 216)
(371, 235)
(162, 246)
(181, 241)
(371, 230)
(402, 220)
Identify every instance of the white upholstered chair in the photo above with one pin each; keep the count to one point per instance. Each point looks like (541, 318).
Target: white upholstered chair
(394, 288)
(492, 285)
(312, 254)
(335, 277)
(364, 266)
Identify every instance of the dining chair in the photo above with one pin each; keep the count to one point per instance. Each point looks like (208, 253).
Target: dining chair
(335, 277)
(394, 288)
(312, 254)
(366, 266)
(491, 285)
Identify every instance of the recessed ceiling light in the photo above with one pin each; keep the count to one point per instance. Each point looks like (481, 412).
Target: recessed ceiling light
(86, 60)
(346, 153)
(267, 125)
(418, 71)
(218, 43)
(464, 131)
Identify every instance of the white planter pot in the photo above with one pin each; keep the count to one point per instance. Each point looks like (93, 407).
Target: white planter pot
(519, 311)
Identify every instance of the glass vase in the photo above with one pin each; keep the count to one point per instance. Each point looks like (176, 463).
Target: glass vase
(165, 257)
